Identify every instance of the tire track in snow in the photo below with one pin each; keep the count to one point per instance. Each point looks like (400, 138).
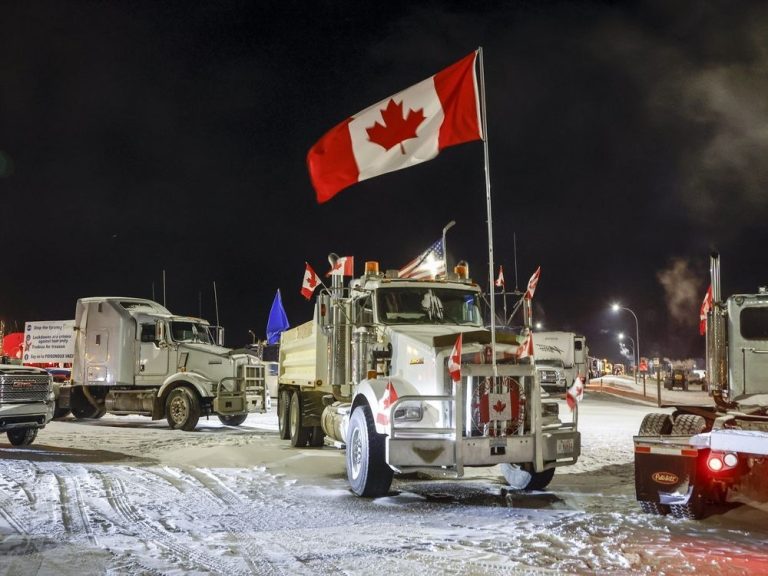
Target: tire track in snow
(74, 510)
(147, 531)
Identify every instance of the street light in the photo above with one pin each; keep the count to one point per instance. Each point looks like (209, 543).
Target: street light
(616, 307)
(622, 336)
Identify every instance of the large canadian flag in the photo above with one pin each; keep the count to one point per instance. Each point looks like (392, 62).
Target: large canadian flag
(408, 128)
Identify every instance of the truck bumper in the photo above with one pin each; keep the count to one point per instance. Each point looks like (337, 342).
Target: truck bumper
(28, 415)
(228, 404)
(558, 446)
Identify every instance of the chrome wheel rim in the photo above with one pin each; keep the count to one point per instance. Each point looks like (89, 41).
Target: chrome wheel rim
(178, 409)
(356, 452)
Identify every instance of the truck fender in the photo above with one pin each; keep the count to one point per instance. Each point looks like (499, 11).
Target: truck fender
(189, 379)
(374, 392)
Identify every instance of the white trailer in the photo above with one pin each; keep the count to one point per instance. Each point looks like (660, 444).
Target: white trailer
(370, 373)
(132, 356)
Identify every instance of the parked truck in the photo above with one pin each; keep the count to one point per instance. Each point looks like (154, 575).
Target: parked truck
(26, 402)
(700, 457)
(565, 349)
(369, 373)
(132, 356)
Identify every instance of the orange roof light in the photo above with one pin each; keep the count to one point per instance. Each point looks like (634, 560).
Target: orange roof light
(371, 268)
(462, 270)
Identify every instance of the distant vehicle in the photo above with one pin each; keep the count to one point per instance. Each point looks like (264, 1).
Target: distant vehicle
(618, 369)
(676, 378)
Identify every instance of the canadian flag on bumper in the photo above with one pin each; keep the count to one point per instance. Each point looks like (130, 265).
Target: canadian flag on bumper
(408, 128)
(454, 361)
(575, 393)
(525, 348)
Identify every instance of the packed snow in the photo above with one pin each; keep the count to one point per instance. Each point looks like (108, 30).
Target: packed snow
(125, 495)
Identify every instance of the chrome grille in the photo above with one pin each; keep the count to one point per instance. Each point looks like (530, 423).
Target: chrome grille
(16, 388)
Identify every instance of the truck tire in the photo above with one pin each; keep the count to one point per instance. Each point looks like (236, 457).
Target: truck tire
(299, 434)
(22, 436)
(522, 476)
(655, 425)
(82, 408)
(367, 469)
(233, 419)
(656, 508)
(317, 437)
(284, 414)
(182, 409)
(688, 425)
(60, 412)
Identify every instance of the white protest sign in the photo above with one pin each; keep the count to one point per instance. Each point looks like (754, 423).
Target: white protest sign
(49, 341)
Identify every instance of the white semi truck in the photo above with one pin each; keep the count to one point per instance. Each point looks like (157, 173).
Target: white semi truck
(132, 356)
(370, 373)
(699, 457)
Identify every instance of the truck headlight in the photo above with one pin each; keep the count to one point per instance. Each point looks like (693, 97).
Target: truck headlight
(409, 412)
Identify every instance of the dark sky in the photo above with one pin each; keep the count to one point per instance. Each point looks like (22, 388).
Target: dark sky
(627, 141)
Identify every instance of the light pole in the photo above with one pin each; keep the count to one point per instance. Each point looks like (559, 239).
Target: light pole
(616, 307)
(447, 227)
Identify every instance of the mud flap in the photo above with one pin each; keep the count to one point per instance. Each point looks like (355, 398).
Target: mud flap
(666, 478)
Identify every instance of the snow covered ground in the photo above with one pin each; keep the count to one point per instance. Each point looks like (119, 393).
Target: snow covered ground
(125, 495)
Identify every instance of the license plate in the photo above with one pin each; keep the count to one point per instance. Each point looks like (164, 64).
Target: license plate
(565, 446)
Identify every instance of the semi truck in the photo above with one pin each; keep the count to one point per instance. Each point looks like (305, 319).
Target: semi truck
(698, 458)
(369, 373)
(132, 356)
(26, 402)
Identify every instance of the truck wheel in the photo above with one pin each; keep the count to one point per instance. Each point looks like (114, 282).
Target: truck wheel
(298, 433)
(688, 425)
(182, 409)
(232, 420)
(82, 408)
(284, 414)
(367, 469)
(317, 437)
(60, 412)
(22, 436)
(656, 508)
(655, 425)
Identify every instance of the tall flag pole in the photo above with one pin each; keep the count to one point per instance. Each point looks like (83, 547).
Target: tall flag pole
(483, 114)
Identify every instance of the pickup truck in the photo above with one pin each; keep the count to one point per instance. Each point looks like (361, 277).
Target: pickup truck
(26, 402)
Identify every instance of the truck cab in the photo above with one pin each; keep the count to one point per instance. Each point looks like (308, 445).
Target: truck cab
(132, 356)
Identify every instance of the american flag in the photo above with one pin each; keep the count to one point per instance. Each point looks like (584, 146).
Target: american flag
(426, 265)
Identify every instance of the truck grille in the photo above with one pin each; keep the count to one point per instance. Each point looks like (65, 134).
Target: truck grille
(15, 388)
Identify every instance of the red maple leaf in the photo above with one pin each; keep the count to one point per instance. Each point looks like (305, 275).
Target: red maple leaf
(499, 406)
(396, 127)
(312, 281)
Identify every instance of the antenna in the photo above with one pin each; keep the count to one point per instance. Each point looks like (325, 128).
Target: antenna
(153, 291)
(163, 286)
(199, 303)
(216, 303)
(514, 244)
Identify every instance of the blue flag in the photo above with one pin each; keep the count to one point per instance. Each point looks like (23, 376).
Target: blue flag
(278, 321)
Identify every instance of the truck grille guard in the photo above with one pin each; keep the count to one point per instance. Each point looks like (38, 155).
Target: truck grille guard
(21, 388)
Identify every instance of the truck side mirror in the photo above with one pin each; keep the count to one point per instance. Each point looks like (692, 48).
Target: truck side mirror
(160, 332)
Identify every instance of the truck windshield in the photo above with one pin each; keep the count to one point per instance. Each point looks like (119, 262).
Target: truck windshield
(190, 332)
(419, 305)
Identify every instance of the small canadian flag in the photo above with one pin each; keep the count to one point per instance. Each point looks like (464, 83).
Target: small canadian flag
(575, 393)
(345, 266)
(525, 349)
(500, 280)
(310, 282)
(389, 398)
(454, 361)
(532, 283)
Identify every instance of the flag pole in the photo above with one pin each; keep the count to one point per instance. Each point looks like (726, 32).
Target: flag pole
(488, 208)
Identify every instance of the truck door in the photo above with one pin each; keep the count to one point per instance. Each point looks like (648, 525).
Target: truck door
(153, 355)
(748, 350)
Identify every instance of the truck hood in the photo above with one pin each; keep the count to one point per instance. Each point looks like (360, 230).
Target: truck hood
(442, 335)
(205, 348)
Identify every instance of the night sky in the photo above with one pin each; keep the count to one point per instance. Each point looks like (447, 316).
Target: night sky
(627, 141)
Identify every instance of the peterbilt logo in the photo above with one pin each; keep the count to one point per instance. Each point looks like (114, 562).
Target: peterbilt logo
(665, 478)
